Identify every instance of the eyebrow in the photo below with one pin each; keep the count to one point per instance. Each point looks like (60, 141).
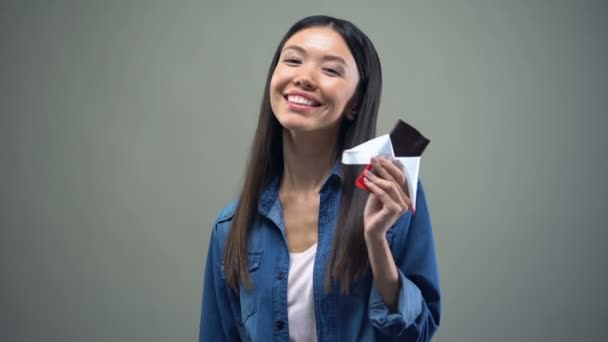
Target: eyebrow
(326, 57)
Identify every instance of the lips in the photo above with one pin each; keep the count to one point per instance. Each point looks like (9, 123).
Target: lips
(302, 99)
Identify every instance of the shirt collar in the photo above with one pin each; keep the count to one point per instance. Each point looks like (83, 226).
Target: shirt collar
(270, 193)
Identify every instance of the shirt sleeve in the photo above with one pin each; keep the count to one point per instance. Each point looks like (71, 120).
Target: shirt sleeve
(217, 321)
(418, 308)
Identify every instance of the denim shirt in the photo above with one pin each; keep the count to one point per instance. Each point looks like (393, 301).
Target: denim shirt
(260, 313)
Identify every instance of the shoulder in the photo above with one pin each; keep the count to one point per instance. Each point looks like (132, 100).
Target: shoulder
(227, 212)
(223, 221)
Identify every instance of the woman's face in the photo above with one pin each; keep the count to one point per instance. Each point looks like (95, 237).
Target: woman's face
(314, 80)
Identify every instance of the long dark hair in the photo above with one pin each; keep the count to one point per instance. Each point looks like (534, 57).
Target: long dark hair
(348, 258)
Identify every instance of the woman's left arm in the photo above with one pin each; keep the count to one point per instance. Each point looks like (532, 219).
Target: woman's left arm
(405, 297)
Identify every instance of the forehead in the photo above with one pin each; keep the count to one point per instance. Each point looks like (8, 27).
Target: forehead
(321, 40)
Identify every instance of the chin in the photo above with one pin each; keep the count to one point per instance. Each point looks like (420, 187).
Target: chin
(294, 122)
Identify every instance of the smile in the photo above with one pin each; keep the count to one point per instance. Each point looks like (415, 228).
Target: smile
(301, 100)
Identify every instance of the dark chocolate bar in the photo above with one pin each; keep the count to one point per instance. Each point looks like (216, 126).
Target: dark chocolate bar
(407, 141)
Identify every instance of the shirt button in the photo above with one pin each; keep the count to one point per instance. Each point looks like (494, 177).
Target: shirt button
(280, 275)
(280, 325)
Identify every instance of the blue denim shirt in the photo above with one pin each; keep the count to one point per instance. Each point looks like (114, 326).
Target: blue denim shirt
(260, 313)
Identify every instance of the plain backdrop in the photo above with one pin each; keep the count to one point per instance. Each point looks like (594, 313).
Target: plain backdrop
(125, 127)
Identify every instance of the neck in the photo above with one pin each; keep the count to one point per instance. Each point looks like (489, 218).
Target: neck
(308, 158)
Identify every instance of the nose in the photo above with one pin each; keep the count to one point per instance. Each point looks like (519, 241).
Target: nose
(305, 81)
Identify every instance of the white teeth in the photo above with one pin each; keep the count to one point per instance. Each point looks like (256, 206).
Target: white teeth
(300, 100)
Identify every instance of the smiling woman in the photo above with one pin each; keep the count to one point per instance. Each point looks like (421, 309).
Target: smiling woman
(303, 255)
(314, 81)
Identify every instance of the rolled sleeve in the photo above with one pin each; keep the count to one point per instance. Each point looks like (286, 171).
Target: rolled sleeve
(409, 307)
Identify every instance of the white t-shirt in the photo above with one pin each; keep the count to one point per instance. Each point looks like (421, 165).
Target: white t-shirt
(300, 296)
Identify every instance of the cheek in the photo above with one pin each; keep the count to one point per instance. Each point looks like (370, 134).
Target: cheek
(279, 78)
(277, 84)
(342, 93)
(273, 83)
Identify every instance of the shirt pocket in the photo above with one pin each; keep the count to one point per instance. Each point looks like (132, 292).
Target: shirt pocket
(253, 260)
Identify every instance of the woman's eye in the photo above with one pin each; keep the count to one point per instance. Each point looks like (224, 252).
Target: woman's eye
(332, 71)
(291, 61)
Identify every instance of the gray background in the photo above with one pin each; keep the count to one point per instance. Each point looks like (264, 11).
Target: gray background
(124, 128)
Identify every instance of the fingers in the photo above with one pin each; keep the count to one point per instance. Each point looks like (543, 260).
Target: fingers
(387, 202)
(399, 169)
(387, 183)
(389, 171)
(388, 192)
(392, 171)
(392, 168)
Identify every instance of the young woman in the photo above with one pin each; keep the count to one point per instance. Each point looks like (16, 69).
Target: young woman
(304, 255)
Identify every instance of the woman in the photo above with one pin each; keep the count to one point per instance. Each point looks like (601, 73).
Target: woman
(303, 255)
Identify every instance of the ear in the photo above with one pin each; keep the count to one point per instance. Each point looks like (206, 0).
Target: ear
(351, 112)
